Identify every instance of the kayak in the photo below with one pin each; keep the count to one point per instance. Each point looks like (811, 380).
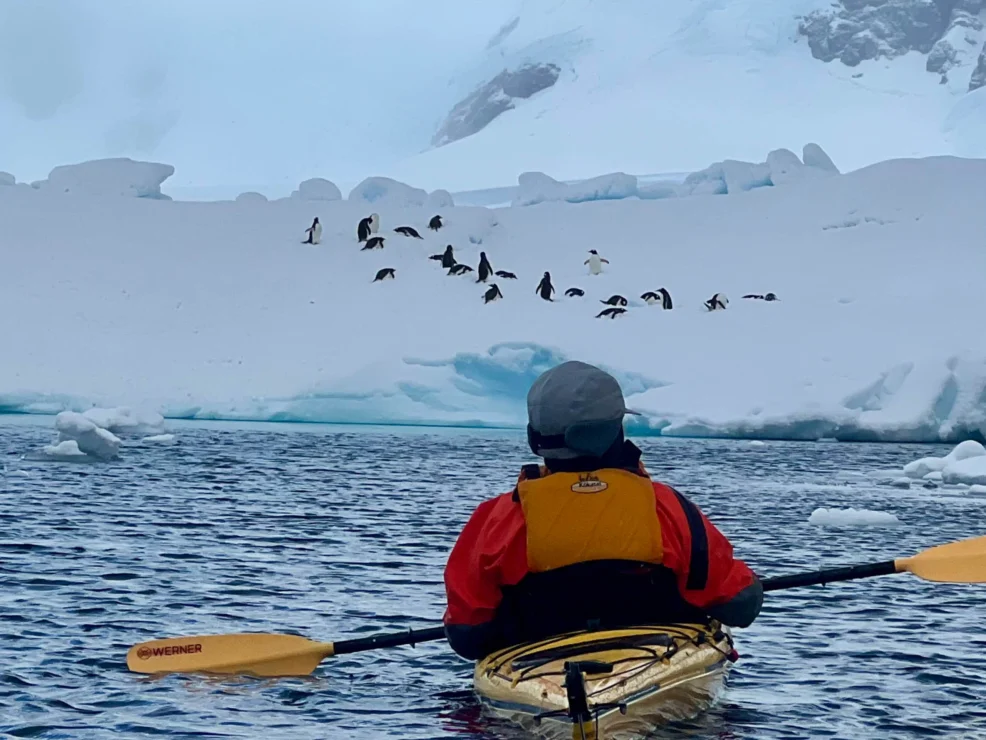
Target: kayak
(607, 684)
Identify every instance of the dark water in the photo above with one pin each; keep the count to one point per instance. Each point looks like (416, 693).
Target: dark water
(338, 532)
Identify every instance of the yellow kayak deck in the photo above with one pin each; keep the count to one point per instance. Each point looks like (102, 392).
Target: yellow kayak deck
(655, 674)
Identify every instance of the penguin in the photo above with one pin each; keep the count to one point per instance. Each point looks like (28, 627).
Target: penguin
(595, 262)
(768, 297)
(485, 269)
(492, 294)
(506, 275)
(545, 288)
(459, 269)
(666, 303)
(611, 313)
(408, 231)
(363, 230)
(436, 223)
(448, 260)
(717, 301)
(615, 300)
(386, 273)
(437, 257)
(573, 292)
(314, 232)
(650, 297)
(374, 242)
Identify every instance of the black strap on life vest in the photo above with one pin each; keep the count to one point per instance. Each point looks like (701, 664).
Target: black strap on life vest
(698, 564)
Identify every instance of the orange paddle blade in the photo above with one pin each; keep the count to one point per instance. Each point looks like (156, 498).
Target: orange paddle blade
(956, 562)
(246, 653)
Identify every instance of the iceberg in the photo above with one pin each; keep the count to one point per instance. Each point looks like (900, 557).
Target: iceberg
(218, 312)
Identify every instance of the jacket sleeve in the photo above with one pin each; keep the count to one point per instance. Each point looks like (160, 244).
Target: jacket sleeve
(471, 590)
(723, 587)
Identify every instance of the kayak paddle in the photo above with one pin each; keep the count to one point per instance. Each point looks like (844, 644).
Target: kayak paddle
(262, 654)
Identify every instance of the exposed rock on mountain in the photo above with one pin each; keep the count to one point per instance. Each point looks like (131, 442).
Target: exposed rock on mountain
(493, 98)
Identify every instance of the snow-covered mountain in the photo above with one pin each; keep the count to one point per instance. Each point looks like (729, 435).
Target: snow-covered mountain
(444, 94)
(580, 87)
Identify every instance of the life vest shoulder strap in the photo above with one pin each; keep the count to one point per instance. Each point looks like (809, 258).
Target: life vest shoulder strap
(698, 560)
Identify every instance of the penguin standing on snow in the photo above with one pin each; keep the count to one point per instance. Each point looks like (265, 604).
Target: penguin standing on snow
(386, 273)
(660, 296)
(666, 303)
(717, 302)
(436, 223)
(448, 259)
(595, 262)
(363, 230)
(485, 269)
(492, 294)
(545, 288)
(314, 232)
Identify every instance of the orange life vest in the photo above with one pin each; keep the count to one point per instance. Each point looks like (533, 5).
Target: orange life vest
(607, 514)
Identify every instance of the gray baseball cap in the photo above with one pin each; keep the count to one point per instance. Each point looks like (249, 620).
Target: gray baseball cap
(574, 410)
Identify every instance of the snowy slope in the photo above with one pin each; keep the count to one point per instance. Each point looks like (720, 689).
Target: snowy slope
(656, 87)
(216, 310)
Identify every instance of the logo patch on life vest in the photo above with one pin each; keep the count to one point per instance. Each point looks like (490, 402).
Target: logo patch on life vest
(588, 483)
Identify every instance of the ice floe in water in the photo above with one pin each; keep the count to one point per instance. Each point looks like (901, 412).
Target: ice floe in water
(966, 464)
(850, 517)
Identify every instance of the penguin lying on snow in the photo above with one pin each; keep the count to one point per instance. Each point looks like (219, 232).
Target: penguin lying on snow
(436, 223)
(314, 232)
(367, 226)
(660, 296)
(492, 294)
(615, 300)
(611, 313)
(485, 268)
(768, 297)
(506, 275)
(717, 302)
(459, 269)
(374, 242)
(545, 288)
(386, 273)
(595, 262)
(408, 231)
(573, 292)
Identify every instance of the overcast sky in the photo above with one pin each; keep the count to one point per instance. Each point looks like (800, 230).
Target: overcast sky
(232, 91)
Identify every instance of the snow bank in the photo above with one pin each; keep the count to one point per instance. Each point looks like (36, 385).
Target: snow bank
(814, 156)
(537, 187)
(385, 192)
(850, 517)
(966, 463)
(109, 177)
(439, 199)
(251, 197)
(223, 314)
(317, 188)
(7, 180)
(89, 438)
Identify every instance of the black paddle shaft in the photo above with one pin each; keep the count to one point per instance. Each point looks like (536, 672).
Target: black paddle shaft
(392, 639)
(832, 575)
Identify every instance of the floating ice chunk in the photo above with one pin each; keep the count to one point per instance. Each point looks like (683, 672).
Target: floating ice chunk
(90, 438)
(852, 518)
(901, 483)
(970, 470)
(977, 489)
(965, 450)
(921, 468)
(67, 448)
(317, 188)
(934, 475)
(159, 439)
(757, 443)
(926, 466)
(125, 420)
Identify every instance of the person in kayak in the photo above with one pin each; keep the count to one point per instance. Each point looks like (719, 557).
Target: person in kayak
(587, 540)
